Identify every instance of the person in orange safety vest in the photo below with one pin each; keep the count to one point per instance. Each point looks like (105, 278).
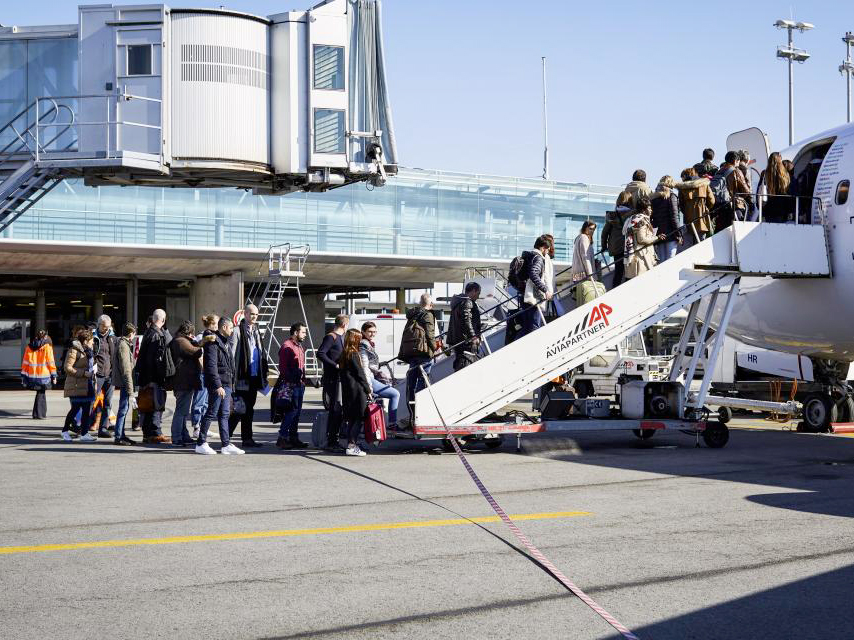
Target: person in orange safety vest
(38, 371)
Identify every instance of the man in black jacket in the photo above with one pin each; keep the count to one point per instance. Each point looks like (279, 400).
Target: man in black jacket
(423, 316)
(105, 339)
(251, 363)
(330, 353)
(219, 374)
(464, 332)
(152, 373)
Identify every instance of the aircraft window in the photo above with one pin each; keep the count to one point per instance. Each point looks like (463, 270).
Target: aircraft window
(842, 191)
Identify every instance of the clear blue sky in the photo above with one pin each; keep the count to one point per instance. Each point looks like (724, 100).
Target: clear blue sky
(631, 84)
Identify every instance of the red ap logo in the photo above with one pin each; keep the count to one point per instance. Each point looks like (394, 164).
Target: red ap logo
(600, 314)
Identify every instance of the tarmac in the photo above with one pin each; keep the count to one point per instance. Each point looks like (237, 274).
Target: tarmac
(676, 541)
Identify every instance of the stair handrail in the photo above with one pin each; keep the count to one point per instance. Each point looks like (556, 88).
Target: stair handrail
(53, 110)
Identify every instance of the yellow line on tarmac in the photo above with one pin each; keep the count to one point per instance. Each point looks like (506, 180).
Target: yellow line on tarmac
(417, 524)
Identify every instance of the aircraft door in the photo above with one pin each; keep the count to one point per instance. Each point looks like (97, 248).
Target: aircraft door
(755, 142)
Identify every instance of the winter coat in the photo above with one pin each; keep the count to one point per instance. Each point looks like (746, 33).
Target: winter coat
(696, 200)
(38, 368)
(427, 320)
(540, 280)
(219, 363)
(665, 214)
(77, 364)
(612, 232)
(329, 354)
(640, 252)
(636, 189)
(736, 184)
(355, 388)
(239, 344)
(465, 319)
(292, 362)
(582, 257)
(706, 168)
(371, 362)
(188, 364)
(148, 364)
(122, 365)
(104, 355)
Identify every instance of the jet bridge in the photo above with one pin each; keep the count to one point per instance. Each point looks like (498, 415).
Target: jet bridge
(207, 98)
(704, 278)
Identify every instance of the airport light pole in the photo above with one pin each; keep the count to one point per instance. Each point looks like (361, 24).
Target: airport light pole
(847, 67)
(791, 54)
(545, 127)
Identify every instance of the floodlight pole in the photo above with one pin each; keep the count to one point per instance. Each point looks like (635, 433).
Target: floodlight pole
(545, 127)
(847, 67)
(792, 55)
(791, 92)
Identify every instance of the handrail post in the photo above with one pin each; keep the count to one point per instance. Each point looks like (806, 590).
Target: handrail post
(37, 130)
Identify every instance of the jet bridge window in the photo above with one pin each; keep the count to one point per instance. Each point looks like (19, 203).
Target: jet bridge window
(328, 67)
(329, 131)
(139, 60)
(842, 191)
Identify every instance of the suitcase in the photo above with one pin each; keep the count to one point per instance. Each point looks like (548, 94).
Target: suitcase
(374, 424)
(318, 429)
(589, 290)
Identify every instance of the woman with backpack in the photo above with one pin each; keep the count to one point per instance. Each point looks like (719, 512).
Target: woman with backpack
(79, 370)
(640, 240)
(355, 390)
(380, 385)
(187, 356)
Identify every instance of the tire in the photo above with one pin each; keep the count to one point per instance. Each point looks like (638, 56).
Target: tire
(724, 414)
(846, 409)
(819, 411)
(493, 443)
(716, 435)
(644, 434)
(584, 389)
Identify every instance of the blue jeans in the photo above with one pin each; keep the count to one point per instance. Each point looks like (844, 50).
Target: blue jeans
(382, 390)
(121, 414)
(414, 379)
(183, 401)
(532, 319)
(218, 409)
(665, 250)
(290, 422)
(200, 404)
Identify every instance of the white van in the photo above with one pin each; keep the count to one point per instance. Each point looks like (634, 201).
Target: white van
(389, 333)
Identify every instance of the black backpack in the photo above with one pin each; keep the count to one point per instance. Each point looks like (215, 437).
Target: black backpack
(719, 187)
(517, 275)
(166, 364)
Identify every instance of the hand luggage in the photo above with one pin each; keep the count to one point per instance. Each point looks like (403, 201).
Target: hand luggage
(589, 290)
(318, 429)
(374, 423)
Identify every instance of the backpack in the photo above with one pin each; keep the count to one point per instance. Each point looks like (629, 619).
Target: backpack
(517, 275)
(166, 364)
(413, 341)
(719, 188)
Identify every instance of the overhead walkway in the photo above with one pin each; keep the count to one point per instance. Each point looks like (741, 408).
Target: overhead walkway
(704, 278)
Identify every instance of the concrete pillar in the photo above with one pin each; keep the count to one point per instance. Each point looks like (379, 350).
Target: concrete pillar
(222, 295)
(98, 306)
(41, 311)
(132, 301)
(400, 300)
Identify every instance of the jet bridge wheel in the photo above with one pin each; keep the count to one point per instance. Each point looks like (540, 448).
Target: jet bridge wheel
(819, 411)
(724, 414)
(715, 435)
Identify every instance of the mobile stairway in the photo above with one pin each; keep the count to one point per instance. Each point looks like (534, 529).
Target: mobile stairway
(704, 278)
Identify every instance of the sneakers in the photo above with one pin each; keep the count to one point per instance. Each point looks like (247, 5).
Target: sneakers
(124, 442)
(87, 437)
(354, 450)
(103, 433)
(196, 429)
(66, 435)
(205, 449)
(231, 450)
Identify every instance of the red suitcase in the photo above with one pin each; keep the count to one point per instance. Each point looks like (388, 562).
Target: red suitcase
(374, 424)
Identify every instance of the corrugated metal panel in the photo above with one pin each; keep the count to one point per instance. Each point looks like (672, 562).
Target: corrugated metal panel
(220, 80)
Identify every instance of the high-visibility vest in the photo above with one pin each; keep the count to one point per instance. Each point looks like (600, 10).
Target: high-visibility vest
(38, 366)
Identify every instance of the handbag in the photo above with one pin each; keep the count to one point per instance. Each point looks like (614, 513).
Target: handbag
(284, 396)
(145, 400)
(238, 405)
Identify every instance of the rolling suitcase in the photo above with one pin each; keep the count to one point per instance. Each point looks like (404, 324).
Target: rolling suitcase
(374, 424)
(589, 290)
(318, 429)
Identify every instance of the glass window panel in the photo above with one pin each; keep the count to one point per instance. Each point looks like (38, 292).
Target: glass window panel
(139, 59)
(328, 131)
(328, 67)
(52, 70)
(13, 87)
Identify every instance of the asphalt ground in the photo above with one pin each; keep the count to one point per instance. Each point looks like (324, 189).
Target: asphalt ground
(750, 541)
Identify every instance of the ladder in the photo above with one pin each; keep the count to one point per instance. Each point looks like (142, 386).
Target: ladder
(705, 278)
(279, 274)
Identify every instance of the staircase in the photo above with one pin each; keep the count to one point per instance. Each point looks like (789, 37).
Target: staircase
(706, 273)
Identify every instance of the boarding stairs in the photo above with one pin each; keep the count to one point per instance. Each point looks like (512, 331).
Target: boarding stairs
(279, 277)
(705, 278)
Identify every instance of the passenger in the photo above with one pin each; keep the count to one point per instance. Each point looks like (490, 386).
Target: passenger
(292, 373)
(38, 371)
(380, 384)
(355, 390)
(422, 315)
(707, 168)
(539, 288)
(122, 367)
(637, 188)
(640, 240)
(200, 397)
(219, 380)
(665, 219)
(465, 326)
(251, 362)
(744, 166)
(330, 353)
(187, 356)
(105, 339)
(582, 252)
(777, 206)
(737, 189)
(696, 201)
(152, 375)
(79, 370)
(612, 235)
(72, 337)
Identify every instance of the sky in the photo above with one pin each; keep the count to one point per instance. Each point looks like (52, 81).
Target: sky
(630, 84)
